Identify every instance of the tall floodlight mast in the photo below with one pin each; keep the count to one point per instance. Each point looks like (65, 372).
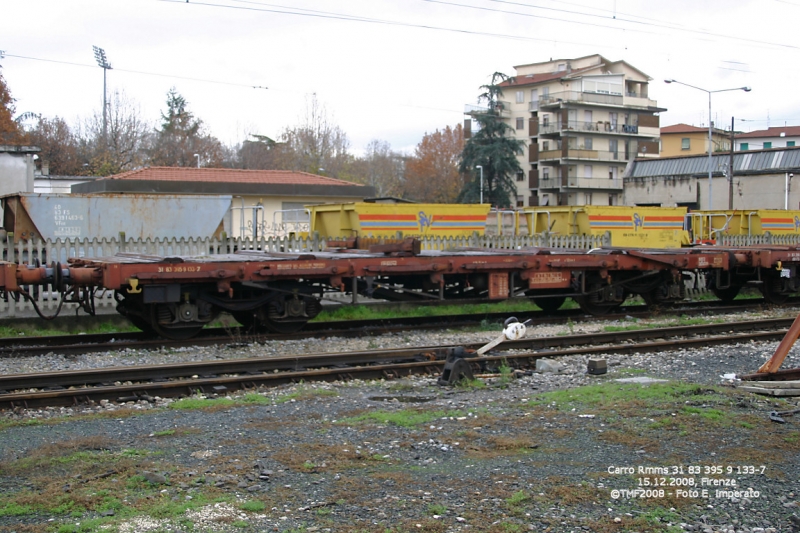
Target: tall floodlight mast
(102, 62)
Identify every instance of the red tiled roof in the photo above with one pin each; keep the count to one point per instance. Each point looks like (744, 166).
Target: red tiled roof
(227, 175)
(682, 128)
(788, 131)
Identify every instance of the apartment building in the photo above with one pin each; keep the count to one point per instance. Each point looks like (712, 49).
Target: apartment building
(582, 120)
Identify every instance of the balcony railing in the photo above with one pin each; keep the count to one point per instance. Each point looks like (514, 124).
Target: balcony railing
(547, 100)
(593, 183)
(599, 127)
(501, 107)
(582, 154)
(572, 182)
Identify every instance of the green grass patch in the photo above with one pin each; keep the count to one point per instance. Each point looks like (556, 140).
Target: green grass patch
(363, 312)
(437, 509)
(10, 508)
(621, 396)
(197, 403)
(404, 418)
(253, 506)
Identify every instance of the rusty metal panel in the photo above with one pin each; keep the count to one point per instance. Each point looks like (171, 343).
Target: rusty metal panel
(498, 285)
(140, 216)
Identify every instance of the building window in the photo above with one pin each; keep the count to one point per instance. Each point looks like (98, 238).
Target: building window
(587, 171)
(744, 146)
(520, 123)
(686, 143)
(520, 201)
(520, 175)
(587, 143)
(767, 144)
(546, 173)
(545, 120)
(587, 198)
(789, 144)
(520, 97)
(545, 146)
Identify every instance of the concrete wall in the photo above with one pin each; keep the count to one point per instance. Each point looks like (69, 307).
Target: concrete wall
(16, 170)
(766, 191)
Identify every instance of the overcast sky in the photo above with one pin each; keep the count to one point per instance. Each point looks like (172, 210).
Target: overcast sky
(389, 69)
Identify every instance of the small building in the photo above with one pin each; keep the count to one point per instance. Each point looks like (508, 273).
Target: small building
(780, 137)
(762, 179)
(265, 202)
(683, 139)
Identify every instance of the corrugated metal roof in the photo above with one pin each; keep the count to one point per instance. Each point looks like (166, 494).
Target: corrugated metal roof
(766, 161)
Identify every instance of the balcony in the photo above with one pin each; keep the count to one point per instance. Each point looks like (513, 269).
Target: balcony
(597, 127)
(593, 183)
(581, 154)
(549, 183)
(502, 108)
(605, 99)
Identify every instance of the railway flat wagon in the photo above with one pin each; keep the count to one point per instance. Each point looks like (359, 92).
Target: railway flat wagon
(632, 227)
(139, 216)
(709, 225)
(367, 219)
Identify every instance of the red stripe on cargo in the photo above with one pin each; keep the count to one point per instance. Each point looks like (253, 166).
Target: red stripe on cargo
(388, 217)
(610, 218)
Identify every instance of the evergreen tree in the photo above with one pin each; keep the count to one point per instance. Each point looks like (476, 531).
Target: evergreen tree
(181, 136)
(494, 148)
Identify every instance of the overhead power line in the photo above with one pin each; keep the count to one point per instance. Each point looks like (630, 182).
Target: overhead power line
(204, 80)
(272, 8)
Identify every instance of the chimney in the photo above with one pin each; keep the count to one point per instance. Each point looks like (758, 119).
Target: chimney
(45, 168)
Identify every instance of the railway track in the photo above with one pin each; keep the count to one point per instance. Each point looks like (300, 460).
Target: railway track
(102, 342)
(220, 377)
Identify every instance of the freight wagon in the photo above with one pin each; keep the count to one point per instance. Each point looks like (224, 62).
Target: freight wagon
(708, 226)
(635, 227)
(139, 216)
(176, 296)
(368, 219)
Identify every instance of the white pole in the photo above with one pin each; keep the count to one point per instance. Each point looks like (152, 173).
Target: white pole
(480, 167)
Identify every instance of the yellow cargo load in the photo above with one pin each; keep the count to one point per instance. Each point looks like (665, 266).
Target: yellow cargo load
(366, 219)
(633, 227)
(708, 225)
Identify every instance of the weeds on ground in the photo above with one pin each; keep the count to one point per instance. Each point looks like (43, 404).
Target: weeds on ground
(404, 418)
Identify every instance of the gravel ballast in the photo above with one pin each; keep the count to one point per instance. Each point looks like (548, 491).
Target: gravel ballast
(408, 455)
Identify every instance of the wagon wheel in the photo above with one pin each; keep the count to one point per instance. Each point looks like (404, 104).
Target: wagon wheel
(771, 289)
(589, 303)
(141, 323)
(549, 304)
(727, 294)
(289, 314)
(162, 320)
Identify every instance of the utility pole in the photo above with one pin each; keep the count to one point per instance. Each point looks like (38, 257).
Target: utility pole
(102, 62)
(730, 172)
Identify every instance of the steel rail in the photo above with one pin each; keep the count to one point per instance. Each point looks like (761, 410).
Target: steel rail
(65, 388)
(102, 342)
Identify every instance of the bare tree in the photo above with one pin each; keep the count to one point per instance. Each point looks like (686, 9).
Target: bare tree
(384, 168)
(123, 147)
(317, 145)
